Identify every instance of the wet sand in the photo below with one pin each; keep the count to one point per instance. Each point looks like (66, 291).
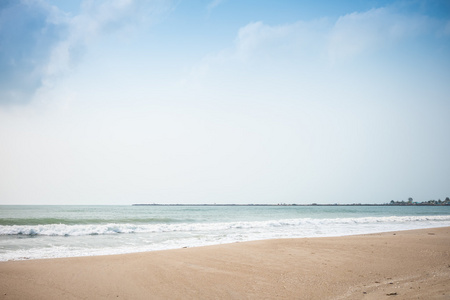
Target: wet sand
(396, 265)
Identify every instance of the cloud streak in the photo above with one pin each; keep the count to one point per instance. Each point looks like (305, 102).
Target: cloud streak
(28, 32)
(40, 42)
(213, 4)
(356, 33)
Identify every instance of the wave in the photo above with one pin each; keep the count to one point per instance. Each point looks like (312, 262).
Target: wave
(160, 227)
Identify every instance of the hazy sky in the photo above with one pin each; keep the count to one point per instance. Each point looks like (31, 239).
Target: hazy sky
(130, 101)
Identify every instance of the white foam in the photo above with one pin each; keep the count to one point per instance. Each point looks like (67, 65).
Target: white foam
(86, 240)
(112, 228)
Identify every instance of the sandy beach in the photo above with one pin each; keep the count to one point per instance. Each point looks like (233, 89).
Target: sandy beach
(396, 265)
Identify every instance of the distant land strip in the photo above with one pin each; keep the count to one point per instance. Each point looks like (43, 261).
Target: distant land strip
(446, 202)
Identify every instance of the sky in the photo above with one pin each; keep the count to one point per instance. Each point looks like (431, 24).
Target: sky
(224, 101)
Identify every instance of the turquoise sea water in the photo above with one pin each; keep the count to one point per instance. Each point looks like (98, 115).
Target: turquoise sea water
(32, 232)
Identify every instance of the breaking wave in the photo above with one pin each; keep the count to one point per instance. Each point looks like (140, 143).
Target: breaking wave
(168, 226)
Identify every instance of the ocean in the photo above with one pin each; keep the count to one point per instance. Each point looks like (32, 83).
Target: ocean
(36, 232)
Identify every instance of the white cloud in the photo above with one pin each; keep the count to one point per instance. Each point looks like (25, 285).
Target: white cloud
(357, 33)
(28, 32)
(257, 35)
(258, 45)
(96, 19)
(53, 40)
(320, 42)
(213, 4)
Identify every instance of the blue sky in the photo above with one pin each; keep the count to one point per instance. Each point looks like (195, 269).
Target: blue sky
(129, 101)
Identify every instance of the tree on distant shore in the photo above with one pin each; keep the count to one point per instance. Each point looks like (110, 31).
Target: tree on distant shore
(429, 202)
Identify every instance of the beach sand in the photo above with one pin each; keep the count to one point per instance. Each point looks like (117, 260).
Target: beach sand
(396, 265)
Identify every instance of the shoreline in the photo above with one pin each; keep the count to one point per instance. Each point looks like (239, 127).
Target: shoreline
(28, 258)
(404, 264)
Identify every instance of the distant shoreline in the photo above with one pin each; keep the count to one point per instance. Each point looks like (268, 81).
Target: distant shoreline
(283, 204)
